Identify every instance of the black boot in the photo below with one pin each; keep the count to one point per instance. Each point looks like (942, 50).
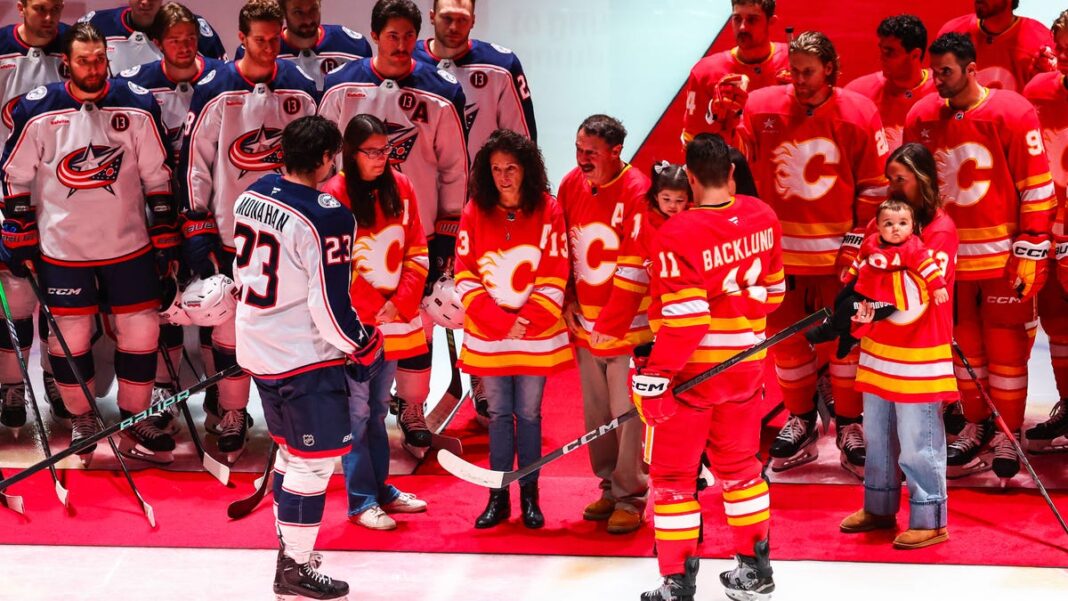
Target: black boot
(497, 510)
(528, 504)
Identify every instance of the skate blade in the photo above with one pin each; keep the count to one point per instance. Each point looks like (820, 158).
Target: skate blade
(980, 463)
(783, 464)
(856, 470)
(15, 431)
(288, 597)
(87, 457)
(737, 595)
(417, 452)
(138, 452)
(1045, 447)
(233, 456)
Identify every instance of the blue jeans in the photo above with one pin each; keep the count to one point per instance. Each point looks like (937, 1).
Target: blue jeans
(366, 466)
(514, 421)
(913, 436)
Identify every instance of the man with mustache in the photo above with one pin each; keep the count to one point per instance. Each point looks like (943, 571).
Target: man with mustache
(423, 109)
(715, 92)
(1011, 49)
(31, 55)
(127, 31)
(817, 153)
(84, 161)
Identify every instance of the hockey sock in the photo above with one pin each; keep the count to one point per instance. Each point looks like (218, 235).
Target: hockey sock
(1058, 354)
(68, 384)
(233, 391)
(135, 372)
(170, 338)
(748, 509)
(9, 366)
(677, 523)
(1008, 390)
(413, 379)
(300, 495)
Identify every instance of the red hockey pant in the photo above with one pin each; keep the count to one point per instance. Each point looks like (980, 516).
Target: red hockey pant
(1053, 313)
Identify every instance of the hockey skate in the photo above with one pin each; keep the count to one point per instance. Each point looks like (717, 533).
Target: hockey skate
(677, 587)
(824, 398)
(13, 406)
(413, 424)
(796, 443)
(1006, 463)
(1051, 436)
(953, 420)
(481, 403)
(293, 580)
(971, 452)
(82, 427)
(145, 441)
(751, 580)
(166, 420)
(59, 411)
(212, 414)
(234, 433)
(850, 440)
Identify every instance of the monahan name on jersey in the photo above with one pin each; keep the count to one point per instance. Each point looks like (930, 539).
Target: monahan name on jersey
(128, 47)
(24, 67)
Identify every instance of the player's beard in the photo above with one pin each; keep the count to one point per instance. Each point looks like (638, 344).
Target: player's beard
(305, 32)
(949, 91)
(984, 9)
(89, 85)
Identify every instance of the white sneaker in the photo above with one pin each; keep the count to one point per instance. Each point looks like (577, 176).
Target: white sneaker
(374, 518)
(406, 502)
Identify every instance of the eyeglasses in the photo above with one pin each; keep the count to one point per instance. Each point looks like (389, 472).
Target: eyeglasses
(376, 153)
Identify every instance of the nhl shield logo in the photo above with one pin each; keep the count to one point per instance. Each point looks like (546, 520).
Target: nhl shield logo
(308, 440)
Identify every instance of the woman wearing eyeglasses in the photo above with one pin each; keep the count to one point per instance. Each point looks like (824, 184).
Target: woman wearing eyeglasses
(389, 268)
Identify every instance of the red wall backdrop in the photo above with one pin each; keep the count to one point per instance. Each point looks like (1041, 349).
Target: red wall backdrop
(850, 25)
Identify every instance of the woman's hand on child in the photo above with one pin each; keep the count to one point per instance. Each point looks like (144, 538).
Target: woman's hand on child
(940, 296)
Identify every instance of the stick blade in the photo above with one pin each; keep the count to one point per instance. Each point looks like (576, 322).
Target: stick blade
(217, 469)
(258, 483)
(62, 494)
(14, 503)
(449, 443)
(149, 513)
(470, 472)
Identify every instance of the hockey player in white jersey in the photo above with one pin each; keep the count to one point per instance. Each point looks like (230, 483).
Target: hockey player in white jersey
(423, 109)
(82, 162)
(31, 55)
(235, 127)
(301, 339)
(316, 48)
(129, 41)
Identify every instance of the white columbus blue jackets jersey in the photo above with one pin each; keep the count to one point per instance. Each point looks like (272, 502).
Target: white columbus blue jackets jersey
(495, 88)
(128, 47)
(23, 68)
(423, 112)
(87, 168)
(174, 97)
(235, 135)
(293, 271)
(337, 45)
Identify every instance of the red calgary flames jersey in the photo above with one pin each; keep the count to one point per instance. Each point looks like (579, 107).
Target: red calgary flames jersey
(993, 172)
(598, 219)
(710, 70)
(1005, 60)
(719, 272)
(511, 265)
(893, 102)
(820, 169)
(877, 263)
(630, 285)
(1050, 99)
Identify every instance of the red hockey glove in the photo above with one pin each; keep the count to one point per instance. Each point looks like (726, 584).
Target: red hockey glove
(1028, 264)
(1062, 262)
(641, 355)
(848, 252)
(20, 244)
(728, 99)
(1045, 61)
(364, 362)
(651, 392)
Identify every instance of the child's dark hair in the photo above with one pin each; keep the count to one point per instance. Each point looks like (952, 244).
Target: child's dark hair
(667, 176)
(893, 204)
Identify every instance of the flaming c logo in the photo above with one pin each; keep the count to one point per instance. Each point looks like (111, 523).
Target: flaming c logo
(499, 270)
(257, 150)
(91, 167)
(378, 257)
(792, 160)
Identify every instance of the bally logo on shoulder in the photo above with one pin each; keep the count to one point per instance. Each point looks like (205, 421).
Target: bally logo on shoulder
(308, 440)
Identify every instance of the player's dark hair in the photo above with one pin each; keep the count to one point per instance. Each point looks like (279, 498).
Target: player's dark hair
(957, 44)
(908, 29)
(606, 128)
(84, 33)
(768, 6)
(819, 45)
(435, 6)
(743, 175)
(258, 10)
(1015, 4)
(362, 193)
(893, 204)
(385, 10)
(919, 160)
(708, 159)
(1060, 23)
(306, 140)
(535, 184)
(667, 176)
(169, 15)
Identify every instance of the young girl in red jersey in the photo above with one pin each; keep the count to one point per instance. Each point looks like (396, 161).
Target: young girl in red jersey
(511, 269)
(389, 264)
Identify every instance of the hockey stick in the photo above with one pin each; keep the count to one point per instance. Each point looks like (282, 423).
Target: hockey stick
(12, 502)
(494, 479)
(242, 507)
(212, 465)
(88, 397)
(1007, 432)
(61, 492)
(450, 402)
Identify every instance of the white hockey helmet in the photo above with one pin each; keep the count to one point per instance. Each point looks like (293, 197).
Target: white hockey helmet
(443, 304)
(171, 309)
(210, 301)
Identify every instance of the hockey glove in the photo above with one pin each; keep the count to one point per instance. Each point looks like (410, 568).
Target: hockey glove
(442, 249)
(728, 99)
(20, 243)
(1062, 263)
(201, 245)
(848, 252)
(364, 362)
(641, 355)
(651, 392)
(1028, 264)
(1045, 61)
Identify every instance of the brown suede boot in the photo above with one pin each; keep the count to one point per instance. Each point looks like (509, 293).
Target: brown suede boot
(599, 510)
(918, 539)
(862, 521)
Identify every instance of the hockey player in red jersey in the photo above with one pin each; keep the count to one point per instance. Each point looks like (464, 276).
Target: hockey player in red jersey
(817, 153)
(602, 200)
(719, 84)
(1009, 49)
(719, 271)
(994, 173)
(903, 80)
(1048, 92)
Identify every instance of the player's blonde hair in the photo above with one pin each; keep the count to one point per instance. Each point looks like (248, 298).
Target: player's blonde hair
(820, 46)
